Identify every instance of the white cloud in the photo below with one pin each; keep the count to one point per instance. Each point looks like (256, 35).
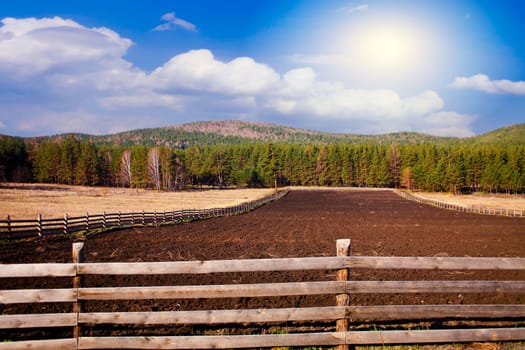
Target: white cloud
(144, 100)
(63, 122)
(199, 71)
(363, 110)
(81, 82)
(173, 22)
(353, 9)
(300, 92)
(33, 46)
(482, 82)
(447, 124)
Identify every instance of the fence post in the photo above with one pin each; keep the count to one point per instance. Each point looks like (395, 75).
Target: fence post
(143, 218)
(39, 224)
(104, 222)
(77, 283)
(66, 224)
(343, 249)
(87, 221)
(119, 218)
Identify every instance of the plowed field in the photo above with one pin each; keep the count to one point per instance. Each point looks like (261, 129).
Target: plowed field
(304, 223)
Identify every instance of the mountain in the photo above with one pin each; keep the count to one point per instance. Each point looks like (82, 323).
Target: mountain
(236, 132)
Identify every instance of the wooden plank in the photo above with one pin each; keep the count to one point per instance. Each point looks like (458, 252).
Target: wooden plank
(435, 287)
(435, 336)
(38, 320)
(16, 296)
(436, 263)
(51, 344)
(212, 291)
(212, 342)
(20, 227)
(213, 266)
(13, 221)
(308, 263)
(37, 270)
(417, 312)
(215, 316)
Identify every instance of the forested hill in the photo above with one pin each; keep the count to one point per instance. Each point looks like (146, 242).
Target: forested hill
(509, 135)
(262, 155)
(237, 132)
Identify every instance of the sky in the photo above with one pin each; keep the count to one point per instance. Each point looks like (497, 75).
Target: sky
(446, 68)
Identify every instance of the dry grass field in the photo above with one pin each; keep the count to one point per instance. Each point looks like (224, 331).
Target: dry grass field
(478, 200)
(24, 201)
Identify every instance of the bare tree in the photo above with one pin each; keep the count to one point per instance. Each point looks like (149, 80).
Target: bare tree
(179, 179)
(125, 168)
(154, 167)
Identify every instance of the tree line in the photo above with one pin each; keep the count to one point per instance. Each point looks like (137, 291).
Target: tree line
(428, 167)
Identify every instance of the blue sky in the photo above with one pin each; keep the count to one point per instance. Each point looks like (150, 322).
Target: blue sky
(454, 68)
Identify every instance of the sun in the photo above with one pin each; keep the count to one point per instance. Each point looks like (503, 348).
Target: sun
(386, 50)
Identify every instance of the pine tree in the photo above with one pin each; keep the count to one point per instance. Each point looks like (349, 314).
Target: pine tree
(47, 162)
(394, 163)
(69, 154)
(87, 167)
(322, 169)
(139, 164)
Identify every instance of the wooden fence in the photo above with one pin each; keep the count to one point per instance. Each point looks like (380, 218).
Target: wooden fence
(478, 209)
(14, 229)
(342, 313)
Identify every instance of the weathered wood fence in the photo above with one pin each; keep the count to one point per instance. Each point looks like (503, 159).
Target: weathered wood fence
(467, 209)
(341, 313)
(14, 229)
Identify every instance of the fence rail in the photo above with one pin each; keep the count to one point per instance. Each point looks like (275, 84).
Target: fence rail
(342, 313)
(478, 209)
(15, 229)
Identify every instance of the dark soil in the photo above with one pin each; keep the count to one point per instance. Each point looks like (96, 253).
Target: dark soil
(304, 223)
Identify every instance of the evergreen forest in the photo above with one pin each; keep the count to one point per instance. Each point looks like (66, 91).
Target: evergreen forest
(429, 167)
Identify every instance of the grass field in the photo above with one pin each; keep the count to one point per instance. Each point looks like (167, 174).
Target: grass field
(24, 201)
(478, 200)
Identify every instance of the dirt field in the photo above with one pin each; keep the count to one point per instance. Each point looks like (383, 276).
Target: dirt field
(26, 201)
(304, 223)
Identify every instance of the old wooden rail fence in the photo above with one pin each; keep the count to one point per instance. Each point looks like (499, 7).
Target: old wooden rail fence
(342, 313)
(467, 209)
(14, 229)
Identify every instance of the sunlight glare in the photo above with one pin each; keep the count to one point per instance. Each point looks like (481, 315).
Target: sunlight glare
(387, 51)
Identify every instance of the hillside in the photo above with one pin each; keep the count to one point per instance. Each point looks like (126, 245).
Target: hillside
(237, 132)
(510, 135)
